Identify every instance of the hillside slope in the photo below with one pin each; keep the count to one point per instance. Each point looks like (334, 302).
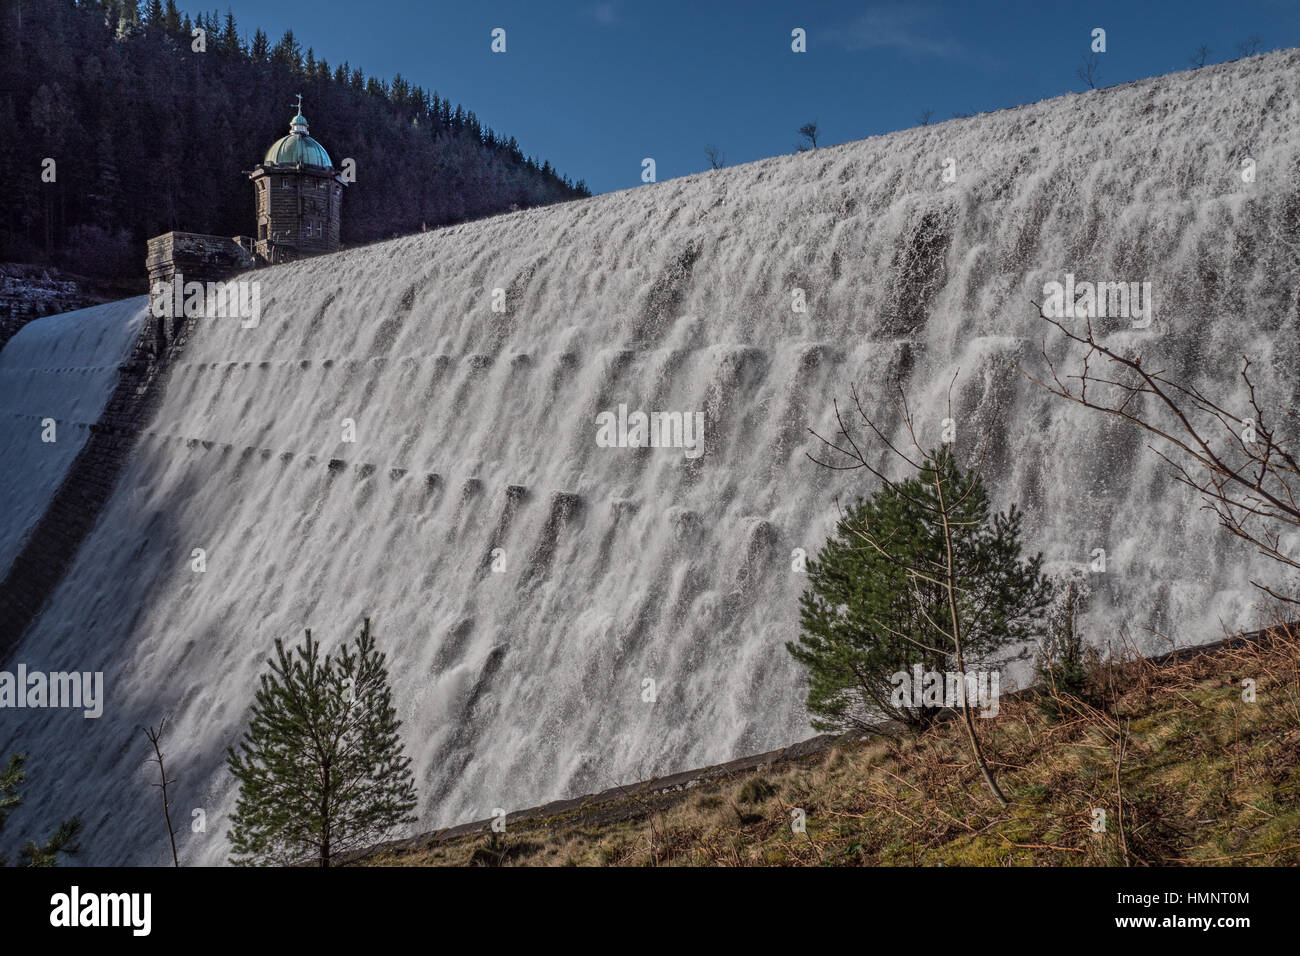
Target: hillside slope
(1184, 771)
(525, 582)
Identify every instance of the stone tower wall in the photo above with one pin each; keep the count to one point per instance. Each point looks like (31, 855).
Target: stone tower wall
(308, 197)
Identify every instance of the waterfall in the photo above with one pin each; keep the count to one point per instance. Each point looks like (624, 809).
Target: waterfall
(58, 369)
(560, 616)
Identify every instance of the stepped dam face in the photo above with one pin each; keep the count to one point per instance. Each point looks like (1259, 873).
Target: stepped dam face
(57, 373)
(413, 433)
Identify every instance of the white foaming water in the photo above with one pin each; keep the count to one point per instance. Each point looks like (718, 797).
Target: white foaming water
(62, 367)
(627, 565)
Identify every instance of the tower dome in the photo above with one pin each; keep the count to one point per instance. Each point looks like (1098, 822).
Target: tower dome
(297, 147)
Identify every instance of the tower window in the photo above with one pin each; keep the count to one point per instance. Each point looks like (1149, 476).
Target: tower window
(284, 182)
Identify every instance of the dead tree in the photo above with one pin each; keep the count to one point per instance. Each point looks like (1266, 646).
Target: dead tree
(1242, 466)
(1090, 70)
(155, 738)
(717, 158)
(809, 132)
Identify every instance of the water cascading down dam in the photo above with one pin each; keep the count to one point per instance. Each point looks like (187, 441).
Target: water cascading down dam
(527, 582)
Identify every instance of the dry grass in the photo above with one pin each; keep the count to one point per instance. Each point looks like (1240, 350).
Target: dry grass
(1184, 771)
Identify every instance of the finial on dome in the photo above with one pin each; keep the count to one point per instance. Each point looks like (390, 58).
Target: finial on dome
(299, 123)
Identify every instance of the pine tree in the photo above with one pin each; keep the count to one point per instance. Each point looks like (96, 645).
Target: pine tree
(923, 570)
(320, 768)
(877, 601)
(102, 199)
(400, 90)
(11, 780)
(128, 18)
(229, 42)
(172, 18)
(33, 853)
(260, 51)
(288, 52)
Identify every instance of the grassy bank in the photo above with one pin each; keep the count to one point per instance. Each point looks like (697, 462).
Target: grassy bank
(1185, 771)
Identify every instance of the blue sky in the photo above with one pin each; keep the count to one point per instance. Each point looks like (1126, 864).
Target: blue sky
(596, 86)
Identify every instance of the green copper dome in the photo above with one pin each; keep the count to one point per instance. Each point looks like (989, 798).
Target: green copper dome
(298, 147)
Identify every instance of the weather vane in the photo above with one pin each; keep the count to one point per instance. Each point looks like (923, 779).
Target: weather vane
(299, 102)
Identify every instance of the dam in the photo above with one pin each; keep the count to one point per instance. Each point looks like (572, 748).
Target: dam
(409, 433)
